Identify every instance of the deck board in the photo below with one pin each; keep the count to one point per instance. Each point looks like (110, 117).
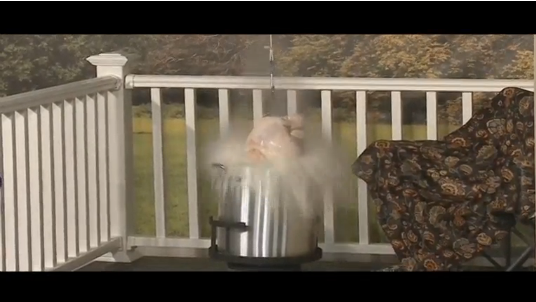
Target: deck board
(205, 264)
(198, 260)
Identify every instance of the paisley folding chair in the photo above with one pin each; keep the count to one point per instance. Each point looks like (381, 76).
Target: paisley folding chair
(514, 264)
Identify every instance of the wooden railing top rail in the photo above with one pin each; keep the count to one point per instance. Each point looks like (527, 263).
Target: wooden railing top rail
(323, 83)
(62, 92)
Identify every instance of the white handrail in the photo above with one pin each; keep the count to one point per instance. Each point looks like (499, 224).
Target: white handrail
(323, 83)
(58, 93)
(55, 150)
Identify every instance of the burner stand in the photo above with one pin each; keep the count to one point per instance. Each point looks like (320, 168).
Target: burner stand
(240, 263)
(235, 267)
(289, 264)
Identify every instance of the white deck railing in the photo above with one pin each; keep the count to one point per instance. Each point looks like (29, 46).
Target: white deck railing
(67, 164)
(291, 85)
(54, 164)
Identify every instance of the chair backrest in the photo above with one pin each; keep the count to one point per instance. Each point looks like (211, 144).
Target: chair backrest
(508, 125)
(509, 112)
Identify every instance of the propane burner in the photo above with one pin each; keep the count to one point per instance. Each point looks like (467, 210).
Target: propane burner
(240, 263)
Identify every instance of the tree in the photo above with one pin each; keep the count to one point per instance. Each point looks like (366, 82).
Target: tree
(29, 62)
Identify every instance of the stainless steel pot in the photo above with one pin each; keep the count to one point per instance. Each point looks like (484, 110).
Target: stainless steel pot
(258, 218)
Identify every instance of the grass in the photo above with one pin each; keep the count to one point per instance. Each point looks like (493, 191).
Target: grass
(176, 183)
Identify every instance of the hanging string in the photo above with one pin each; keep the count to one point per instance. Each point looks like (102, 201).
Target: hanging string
(272, 69)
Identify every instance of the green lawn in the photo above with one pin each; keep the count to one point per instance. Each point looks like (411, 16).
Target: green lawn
(175, 174)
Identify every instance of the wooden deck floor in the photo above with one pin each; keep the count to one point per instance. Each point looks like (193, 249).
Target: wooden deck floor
(205, 264)
(171, 259)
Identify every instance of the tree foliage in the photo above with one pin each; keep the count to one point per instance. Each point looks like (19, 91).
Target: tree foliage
(29, 62)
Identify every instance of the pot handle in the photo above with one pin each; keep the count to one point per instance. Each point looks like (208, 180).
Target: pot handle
(215, 224)
(219, 166)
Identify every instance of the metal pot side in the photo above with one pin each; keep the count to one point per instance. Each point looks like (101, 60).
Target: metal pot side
(276, 227)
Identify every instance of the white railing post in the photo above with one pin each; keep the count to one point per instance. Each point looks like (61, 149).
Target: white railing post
(119, 105)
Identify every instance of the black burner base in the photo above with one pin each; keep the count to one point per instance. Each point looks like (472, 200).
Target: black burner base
(265, 262)
(239, 263)
(236, 267)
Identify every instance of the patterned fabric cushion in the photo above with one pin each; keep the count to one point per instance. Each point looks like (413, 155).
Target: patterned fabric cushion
(441, 203)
